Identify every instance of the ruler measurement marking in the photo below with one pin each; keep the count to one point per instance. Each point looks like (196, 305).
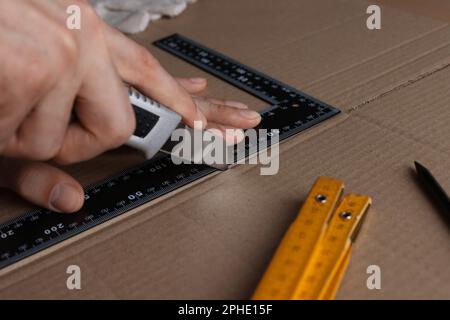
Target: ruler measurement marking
(172, 44)
(98, 218)
(287, 264)
(326, 242)
(332, 250)
(110, 197)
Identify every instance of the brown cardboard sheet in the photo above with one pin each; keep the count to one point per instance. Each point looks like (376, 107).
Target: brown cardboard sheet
(437, 9)
(216, 244)
(214, 239)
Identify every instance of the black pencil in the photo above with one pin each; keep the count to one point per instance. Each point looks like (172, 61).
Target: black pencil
(434, 189)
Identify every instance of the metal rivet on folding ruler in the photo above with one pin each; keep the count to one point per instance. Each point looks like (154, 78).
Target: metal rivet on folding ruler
(321, 198)
(345, 215)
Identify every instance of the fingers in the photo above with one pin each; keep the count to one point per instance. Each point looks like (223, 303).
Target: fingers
(41, 184)
(105, 117)
(233, 114)
(229, 103)
(140, 69)
(41, 133)
(34, 100)
(229, 135)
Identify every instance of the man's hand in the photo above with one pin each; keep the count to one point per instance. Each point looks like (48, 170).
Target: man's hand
(48, 72)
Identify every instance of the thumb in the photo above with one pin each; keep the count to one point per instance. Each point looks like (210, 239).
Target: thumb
(41, 184)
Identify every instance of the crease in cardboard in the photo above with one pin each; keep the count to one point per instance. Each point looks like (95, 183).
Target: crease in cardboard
(383, 53)
(404, 84)
(331, 80)
(392, 78)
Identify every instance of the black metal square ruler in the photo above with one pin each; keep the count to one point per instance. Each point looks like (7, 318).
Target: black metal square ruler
(290, 112)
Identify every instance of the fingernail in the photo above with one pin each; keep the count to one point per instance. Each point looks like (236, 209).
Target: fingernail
(197, 80)
(201, 118)
(236, 104)
(249, 114)
(65, 198)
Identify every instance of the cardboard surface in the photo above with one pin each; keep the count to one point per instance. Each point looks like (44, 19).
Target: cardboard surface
(214, 239)
(437, 9)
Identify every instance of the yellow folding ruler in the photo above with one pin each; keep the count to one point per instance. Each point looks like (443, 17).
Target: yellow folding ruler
(311, 259)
